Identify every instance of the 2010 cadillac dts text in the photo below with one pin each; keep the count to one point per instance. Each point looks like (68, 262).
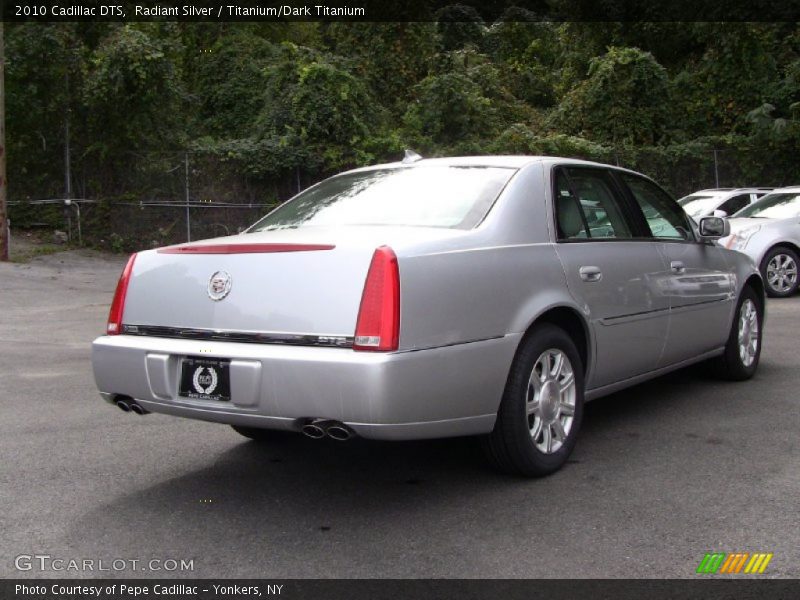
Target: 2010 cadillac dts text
(482, 296)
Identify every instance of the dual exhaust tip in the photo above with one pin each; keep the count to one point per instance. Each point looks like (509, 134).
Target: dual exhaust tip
(129, 405)
(320, 428)
(315, 429)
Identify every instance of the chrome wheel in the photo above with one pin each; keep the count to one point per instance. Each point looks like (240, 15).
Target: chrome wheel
(748, 332)
(782, 273)
(550, 400)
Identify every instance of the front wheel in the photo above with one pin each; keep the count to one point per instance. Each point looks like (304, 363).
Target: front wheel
(743, 349)
(542, 406)
(779, 270)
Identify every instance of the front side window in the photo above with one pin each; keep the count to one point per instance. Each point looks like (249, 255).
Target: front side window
(424, 196)
(666, 219)
(774, 206)
(586, 206)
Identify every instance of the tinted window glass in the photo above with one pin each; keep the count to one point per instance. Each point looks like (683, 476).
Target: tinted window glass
(586, 206)
(735, 204)
(437, 196)
(664, 217)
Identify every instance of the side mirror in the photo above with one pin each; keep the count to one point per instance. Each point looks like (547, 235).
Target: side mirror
(714, 228)
(720, 213)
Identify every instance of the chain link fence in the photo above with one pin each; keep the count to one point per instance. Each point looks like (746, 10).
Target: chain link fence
(182, 196)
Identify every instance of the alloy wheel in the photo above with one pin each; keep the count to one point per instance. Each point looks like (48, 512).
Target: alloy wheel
(550, 400)
(748, 332)
(782, 273)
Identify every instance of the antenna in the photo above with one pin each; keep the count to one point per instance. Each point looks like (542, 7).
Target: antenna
(410, 156)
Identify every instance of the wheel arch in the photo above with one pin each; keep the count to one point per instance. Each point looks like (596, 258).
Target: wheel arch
(757, 283)
(781, 244)
(573, 323)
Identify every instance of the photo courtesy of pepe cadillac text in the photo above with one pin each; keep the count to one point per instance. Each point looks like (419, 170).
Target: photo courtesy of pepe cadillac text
(102, 589)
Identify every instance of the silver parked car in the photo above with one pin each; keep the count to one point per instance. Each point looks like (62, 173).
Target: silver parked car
(769, 233)
(720, 202)
(485, 296)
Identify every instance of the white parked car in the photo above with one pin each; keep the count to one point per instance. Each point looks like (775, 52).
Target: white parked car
(720, 202)
(769, 232)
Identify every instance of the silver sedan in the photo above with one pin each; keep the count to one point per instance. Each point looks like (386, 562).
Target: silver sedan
(486, 296)
(769, 233)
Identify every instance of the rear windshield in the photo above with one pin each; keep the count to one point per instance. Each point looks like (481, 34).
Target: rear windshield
(438, 196)
(773, 206)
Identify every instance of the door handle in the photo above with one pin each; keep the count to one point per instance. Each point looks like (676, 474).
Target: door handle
(590, 273)
(677, 267)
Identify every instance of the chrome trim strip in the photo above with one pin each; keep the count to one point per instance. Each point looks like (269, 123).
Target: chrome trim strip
(294, 339)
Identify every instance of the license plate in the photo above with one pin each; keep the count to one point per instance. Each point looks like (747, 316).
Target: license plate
(205, 379)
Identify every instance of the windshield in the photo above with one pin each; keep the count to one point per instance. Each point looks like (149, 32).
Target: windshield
(439, 196)
(696, 206)
(773, 206)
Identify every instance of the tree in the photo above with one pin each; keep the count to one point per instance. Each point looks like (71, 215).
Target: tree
(390, 57)
(625, 99)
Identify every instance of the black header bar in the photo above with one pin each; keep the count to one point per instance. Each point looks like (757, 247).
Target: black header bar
(412, 10)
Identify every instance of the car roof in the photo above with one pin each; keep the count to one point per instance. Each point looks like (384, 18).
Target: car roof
(724, 192)
(792, 189)
(506, 161)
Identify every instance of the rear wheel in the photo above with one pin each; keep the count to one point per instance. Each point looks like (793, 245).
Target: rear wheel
(779, 270)
(540, 414)
(743, 349)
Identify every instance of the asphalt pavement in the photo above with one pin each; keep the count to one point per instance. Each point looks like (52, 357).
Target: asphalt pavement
(662, 474)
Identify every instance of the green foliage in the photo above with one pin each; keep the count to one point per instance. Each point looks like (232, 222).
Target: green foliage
(389, 57)
(230, 83)
(40, 60)
(735, 74)
(263, 108)
(458, 26)
(528, 53)
(449, 108)
(624, 100)
(132, 92)
(520, 139)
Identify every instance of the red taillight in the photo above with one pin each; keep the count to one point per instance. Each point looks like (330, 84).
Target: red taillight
(114, 326)
(378, 324)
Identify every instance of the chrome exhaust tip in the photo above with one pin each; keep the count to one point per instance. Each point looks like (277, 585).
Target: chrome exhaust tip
(123, 406)
(313, 430)
(138, 409)
(339, 432)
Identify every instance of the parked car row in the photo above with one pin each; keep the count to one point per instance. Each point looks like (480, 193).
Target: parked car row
(765, 225)
(720, 202)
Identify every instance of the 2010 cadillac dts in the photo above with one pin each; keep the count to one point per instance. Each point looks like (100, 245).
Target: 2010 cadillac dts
(444, 297)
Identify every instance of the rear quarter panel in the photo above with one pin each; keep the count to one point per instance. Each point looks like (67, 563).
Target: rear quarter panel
(489, 284)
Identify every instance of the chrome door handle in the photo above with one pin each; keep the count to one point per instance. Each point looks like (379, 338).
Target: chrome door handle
(590, 273)
(677, 267)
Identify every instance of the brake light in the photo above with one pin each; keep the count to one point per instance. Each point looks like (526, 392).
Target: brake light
(378, 324)
(114, 326)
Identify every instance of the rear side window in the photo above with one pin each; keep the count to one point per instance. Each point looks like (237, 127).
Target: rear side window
(665, 218)
(735, 204)
(425, 196)
(587, 207)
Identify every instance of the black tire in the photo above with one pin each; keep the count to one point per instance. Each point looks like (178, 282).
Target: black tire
(730, 365)
(511, 446)
(258, 434)
(778, 251)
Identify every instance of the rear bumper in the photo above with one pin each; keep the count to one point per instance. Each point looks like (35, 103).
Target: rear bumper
(441, 392)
